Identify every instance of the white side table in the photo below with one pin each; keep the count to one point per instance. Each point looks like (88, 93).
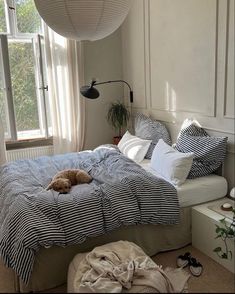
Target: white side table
(204, 219)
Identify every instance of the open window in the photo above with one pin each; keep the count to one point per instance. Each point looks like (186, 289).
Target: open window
(24, 107)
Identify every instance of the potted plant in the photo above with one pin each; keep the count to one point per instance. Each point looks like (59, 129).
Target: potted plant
(225, 232)
(118, 116)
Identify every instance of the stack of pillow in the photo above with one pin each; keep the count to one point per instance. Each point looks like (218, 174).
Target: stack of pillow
(147, 133)
(195, 153)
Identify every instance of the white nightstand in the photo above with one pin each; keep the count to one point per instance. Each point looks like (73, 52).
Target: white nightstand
(204, 219)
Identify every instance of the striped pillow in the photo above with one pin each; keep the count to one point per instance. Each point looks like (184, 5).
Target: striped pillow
(149, 129)
(209, 152)
(192, 128)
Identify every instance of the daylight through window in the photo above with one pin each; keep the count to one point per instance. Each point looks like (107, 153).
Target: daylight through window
(23, 82)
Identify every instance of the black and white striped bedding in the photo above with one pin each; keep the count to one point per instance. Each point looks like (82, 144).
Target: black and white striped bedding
(150, 129)
(209, 152)
(121, 193)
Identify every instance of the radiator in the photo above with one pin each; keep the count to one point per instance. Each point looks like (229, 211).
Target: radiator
(29, 153)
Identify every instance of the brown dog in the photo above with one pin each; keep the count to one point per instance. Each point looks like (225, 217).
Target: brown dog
(64, 180)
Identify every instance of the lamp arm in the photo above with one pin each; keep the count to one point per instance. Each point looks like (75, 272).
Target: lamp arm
(114, 81)
(94, 83)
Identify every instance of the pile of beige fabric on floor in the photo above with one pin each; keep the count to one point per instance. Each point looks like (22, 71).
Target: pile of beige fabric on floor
(123, 267)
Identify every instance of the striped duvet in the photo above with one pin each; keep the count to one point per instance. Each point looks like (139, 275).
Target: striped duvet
(121, 193)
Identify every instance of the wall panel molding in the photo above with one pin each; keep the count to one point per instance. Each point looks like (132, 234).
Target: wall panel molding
(147, 54)
(156, 27)
(228, 110)
(133, 48)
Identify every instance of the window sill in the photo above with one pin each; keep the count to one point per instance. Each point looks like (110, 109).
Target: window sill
(12, 145)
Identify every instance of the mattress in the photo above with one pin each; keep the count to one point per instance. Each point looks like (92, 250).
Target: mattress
(198, 190)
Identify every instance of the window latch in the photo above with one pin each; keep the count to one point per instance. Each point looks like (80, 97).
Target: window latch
(44, 88)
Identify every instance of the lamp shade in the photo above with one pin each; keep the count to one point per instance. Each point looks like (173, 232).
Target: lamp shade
(89, 92)
(83, 19)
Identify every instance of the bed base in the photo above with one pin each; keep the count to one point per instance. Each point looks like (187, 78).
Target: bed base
(51, 265)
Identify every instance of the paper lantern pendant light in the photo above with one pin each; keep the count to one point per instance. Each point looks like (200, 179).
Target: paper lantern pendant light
(83, 19)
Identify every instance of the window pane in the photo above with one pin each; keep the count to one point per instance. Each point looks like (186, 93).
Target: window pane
(3, 25)
(28, 19)
(3, 104)
(24, 88)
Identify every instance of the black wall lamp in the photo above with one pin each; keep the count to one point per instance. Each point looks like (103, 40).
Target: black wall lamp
(92, 93)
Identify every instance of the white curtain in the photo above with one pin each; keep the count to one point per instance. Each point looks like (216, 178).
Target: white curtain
(65, 76)
(2, 145)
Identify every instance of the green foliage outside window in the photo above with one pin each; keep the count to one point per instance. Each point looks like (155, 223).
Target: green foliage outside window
(2, 111)
(23, 85)
(28, 20)
(3, 27)
(22, 66)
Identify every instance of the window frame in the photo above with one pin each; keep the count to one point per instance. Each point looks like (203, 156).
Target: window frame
(8, 88)
(41, 86)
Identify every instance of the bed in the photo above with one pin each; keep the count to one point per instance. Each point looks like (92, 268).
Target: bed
(135, 202)
(153, 233)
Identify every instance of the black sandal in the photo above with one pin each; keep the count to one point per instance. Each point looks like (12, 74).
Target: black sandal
(183, 260)
(195, 267)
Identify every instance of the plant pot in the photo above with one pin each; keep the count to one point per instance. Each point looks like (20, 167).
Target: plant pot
(116, 140)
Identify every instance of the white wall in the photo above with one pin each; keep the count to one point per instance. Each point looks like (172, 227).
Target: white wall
(179, 57)
(103, 61)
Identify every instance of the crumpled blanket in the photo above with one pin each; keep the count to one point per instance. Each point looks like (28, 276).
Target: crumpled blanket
(117, 266)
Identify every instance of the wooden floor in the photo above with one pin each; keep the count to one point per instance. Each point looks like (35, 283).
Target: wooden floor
(214, 279)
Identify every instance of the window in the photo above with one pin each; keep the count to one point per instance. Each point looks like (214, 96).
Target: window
(24, 107)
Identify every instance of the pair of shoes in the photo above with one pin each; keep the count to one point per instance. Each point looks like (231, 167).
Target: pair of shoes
(183, 260)
(195, 267)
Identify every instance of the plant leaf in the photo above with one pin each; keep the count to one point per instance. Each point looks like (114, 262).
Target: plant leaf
(217, 249)
(231, 232)
(219, 236)
(222, 221)
(118, 116)
(218, 230)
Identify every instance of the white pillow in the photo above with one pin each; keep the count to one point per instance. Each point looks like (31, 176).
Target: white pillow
(134, 147)
(171, 164)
